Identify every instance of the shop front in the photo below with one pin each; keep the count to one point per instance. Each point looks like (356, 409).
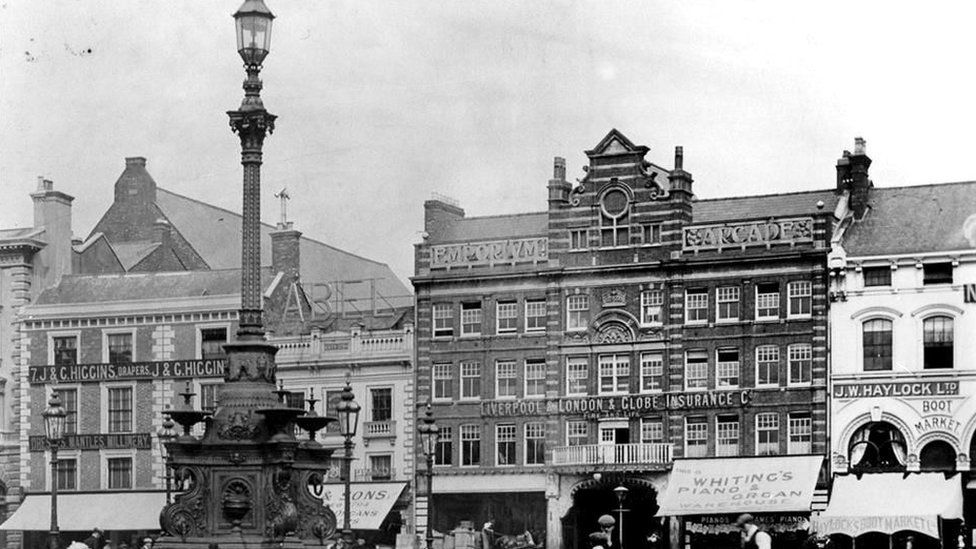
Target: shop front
(892, 511)
(374, 508)
(123, 516)
(708, 494)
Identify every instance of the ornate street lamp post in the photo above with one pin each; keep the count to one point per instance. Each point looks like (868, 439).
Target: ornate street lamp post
(348, 413)
(429, 433)
(252, 123)
(621, 492)
(54, 420)
(166, 434)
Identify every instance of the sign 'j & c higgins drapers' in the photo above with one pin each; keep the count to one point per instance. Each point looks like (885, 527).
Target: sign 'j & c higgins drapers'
(793, 230)
(522, 250)
(136, 370)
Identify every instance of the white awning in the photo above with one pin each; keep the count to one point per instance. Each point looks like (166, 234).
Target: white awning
(737, 485)
(889, 503)
(369, 502)
(82, 512)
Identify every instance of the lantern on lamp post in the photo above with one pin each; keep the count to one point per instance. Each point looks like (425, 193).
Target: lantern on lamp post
(348, 413)
(251, 122)
(429, 433)
(166, 434)
(54, 420)
(621, 492)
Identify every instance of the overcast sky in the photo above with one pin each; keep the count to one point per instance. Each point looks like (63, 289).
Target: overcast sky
(381, 103)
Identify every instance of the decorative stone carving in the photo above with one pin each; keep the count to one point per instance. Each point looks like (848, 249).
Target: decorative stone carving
(913, 464)
(613, 333)
(614, 297)
(281, 509)
(236, 501)
(187, 515)
(962, 462)
(237, 427)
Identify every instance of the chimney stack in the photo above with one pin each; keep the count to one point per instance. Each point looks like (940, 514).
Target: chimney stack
(286, 250)
(438, 214)
(52, 212)
(162, 232)
(852, 176)
(559, 188)
(680, 179)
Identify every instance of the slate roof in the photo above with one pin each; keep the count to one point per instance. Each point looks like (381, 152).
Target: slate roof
(215, 234)
(923, 218)
(141, 286)
(718, 210)
(494, 227)
(131, 253)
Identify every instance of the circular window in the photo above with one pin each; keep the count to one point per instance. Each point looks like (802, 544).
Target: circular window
(615, 203)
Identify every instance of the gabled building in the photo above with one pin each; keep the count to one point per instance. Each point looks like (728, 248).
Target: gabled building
(139, 318)
(627, 336)
(903, 376)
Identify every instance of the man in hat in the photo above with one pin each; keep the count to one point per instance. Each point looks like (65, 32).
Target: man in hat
(607, 523)
(752, 536)
(95, 540)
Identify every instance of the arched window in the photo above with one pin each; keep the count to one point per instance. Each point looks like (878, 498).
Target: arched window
(877, 344)
(937, 455)
(937, 336)
(877, 446)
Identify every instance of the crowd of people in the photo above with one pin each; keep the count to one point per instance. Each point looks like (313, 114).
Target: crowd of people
(97, 540)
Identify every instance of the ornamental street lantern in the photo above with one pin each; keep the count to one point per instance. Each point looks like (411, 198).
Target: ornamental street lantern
(429, 433)
(253, 21)
(348, 412)
(54, 420)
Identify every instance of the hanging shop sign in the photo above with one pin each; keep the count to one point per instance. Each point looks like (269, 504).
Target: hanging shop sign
(772, 484)
(896, 389)
(615, 406)
(470, 254)
(794, 230)
(97, 441)
(74, 373)
(725, 523)
(369, 502)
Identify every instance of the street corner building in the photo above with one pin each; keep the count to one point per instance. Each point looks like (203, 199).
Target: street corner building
(902, 303)
(631, 351)
(127, 322)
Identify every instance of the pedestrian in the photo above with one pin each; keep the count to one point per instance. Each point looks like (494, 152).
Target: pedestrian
(96, 540)
(752, 536)
(599, 540)
(147, 543)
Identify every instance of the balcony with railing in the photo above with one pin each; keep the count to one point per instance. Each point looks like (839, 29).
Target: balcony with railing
(379, 429)
(358, 343)
(374, 474)
(618, 456)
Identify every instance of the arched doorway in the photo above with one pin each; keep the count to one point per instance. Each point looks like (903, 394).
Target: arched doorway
(937, 455)
(876, 447)
(595, 498)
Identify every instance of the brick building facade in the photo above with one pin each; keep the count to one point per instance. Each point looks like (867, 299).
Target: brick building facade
(140, 313)
(586, 347)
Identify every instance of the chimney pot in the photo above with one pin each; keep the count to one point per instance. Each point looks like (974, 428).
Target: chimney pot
(860, 146)
(679, 157)
(559, 168)
(135, 161)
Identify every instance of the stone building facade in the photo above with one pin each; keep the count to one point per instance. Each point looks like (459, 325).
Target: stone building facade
(589, 346)
(903, 293)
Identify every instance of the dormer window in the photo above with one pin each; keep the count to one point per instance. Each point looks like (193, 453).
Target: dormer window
(937, 273)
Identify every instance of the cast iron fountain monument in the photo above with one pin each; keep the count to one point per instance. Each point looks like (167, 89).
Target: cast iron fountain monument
(245, 482)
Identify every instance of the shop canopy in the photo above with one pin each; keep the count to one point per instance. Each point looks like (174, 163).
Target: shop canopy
(82, 512)
(369, 502)
(738, 485)
(889, 503)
